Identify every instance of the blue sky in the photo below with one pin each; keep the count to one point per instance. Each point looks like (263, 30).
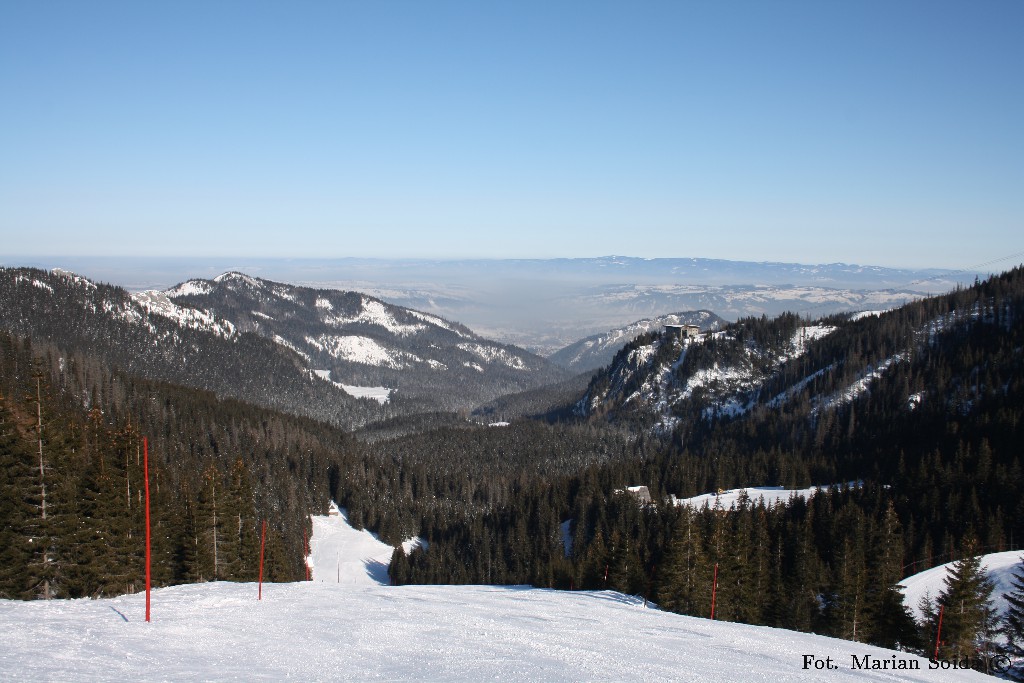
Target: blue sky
(885, 133)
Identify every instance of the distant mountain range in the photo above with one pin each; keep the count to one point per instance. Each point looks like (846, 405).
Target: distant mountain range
(545, 304)
(301, 350)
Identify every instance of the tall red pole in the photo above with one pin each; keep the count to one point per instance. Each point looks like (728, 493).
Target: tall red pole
(145, 467)
(263, 545)
(714, 592)
(939, 634)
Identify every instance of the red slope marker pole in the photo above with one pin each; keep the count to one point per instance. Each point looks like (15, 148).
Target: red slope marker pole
(145, 447)
(939, 634)
(714, 592)
(263, 545)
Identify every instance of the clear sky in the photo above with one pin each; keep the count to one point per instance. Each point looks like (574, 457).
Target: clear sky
(876, 132)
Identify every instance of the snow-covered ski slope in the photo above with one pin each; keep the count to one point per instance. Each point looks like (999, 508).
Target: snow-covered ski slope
(345, 626)
(998, 566)
(314, 631)
(340, 554)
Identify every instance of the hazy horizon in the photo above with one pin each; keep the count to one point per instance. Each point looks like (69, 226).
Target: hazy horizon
(805, 132)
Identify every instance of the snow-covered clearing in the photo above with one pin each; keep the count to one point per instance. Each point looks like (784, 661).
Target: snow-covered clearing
(373, 313)
(358, 630)
(357, 349)
(999, 566)
(770, 495)
(380, 394)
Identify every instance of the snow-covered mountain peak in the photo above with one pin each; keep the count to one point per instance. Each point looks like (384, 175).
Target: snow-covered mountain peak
(234, 276)
(190, 288)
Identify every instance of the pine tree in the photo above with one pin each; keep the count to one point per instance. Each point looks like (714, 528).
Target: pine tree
(1013, 623)
(969, 618)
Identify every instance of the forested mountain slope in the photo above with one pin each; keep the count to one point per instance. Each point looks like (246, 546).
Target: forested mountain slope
(71, 444)
(174, 344)
(792, 366)
(598, 350)
(290, 348)
(430, 362)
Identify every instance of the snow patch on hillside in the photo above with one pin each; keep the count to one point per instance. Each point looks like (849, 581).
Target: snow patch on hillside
(235, 276)
(287, 344)
(356, 349)
(998, 566)
(375, 313)
(190, 288)
(858, 386)
(379, 394)
(804, 335)
(494, 354)
(159, 303)
(72, 277)
(769, 495)
(434, 320)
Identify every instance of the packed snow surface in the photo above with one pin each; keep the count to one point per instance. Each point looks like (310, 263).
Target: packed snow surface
(345, 626)
(313, 631)
(999, 566)
(341, 554)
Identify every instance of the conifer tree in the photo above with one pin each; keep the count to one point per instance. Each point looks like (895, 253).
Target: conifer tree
(684, 584)
(17, 514)
(1013, 622)
(891, 623)
(969, 618)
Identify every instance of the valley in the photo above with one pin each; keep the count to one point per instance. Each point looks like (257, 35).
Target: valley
(268, 401)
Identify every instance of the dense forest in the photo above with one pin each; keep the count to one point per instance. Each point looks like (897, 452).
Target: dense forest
(930, 451)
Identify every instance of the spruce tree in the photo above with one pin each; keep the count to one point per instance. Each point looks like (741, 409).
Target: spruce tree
(891, 623)
(969, 618)
(684, 583)
(18, 516)
(1013, 622)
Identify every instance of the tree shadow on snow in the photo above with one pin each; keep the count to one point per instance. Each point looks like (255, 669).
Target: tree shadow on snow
(378, 571)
